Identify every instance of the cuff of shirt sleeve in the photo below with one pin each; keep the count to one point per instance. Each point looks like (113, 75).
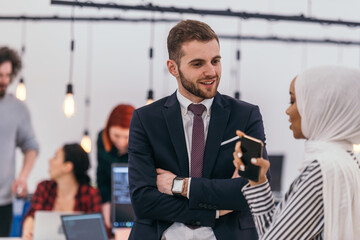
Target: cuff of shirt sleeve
(217, 214)
(248, 188)
(259, 197)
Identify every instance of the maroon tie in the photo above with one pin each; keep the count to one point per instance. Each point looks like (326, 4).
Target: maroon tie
(198, 141)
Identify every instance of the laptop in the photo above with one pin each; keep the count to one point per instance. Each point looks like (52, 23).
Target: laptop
(85, 226)
(122, 213)
(276, 169)
(47, 225)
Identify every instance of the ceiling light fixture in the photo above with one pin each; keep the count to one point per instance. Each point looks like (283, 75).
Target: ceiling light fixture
(150, 94)
(21, 89)
(69, 103)
(86, 140)
(237, 67)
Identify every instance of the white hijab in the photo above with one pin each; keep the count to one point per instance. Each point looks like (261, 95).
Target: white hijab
(328, 100)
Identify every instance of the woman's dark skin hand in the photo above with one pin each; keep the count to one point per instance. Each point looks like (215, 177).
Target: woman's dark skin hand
(239, 165)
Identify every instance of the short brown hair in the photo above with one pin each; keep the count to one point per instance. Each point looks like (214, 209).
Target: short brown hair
(120, 117)
(7, 54)
(186, 31)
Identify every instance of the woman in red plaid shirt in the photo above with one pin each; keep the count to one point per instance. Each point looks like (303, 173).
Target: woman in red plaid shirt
(69, 188)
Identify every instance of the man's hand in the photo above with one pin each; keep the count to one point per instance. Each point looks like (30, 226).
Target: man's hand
(164, 181)
(224, 212)
(19, 188)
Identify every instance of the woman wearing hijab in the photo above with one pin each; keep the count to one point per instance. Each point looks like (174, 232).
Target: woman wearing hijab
(323, 202)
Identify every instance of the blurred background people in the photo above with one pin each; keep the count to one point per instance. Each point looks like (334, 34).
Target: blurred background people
(323, 202)
(112, 145)
(15, 131)
(68, 188)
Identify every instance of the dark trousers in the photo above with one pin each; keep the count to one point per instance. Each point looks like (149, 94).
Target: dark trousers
(6, 215)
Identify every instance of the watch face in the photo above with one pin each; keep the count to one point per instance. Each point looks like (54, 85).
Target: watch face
(177, 187)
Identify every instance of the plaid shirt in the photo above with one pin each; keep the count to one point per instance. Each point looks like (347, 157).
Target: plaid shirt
(87, 199)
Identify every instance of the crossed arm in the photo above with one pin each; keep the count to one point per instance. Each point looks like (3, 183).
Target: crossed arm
(151, 200)
(148, 202)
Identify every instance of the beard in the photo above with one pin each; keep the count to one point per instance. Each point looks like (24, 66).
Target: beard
(191, 86)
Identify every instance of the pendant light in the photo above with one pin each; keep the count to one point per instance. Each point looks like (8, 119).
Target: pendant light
(21, 89)
(150, 97)
(237, 78)
(356, 148)
(150, 93)
(69, 103)
(237, 68)
(86, 140)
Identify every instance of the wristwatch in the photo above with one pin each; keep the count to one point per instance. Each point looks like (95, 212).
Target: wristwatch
(177, 186)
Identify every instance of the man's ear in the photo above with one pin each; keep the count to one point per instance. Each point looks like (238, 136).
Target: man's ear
(173, 68)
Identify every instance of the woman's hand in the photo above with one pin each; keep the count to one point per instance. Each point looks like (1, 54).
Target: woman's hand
(27, 236)
(105, 210)
(28, 228)
(260, 162)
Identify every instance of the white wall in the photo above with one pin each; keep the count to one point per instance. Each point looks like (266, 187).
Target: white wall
(120, 65)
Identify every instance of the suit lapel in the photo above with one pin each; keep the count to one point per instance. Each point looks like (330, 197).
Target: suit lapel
(218, 122)
(172, 115)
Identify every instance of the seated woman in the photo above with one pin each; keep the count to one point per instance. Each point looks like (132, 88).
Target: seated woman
(323, 202)
(68, 189)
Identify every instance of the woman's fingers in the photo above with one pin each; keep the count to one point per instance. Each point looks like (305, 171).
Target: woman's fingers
(236, 172)
(240, 133)
(260, 162)
(237, 157)
(264, 166)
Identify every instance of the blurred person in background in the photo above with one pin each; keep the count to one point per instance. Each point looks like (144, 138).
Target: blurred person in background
(15, 131)
(112, 145)
(68, 188)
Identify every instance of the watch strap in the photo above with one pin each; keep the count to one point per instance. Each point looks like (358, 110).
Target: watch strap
(184, 191)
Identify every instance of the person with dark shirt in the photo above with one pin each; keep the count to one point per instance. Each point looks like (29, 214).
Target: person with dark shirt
(181, 146)
(112, 147)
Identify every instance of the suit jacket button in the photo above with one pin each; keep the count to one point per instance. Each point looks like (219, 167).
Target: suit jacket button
(197, 223)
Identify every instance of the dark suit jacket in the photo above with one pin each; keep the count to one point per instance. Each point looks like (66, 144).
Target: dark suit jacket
(157, 140)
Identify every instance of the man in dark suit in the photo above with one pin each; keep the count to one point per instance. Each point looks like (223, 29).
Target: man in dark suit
(181, 149)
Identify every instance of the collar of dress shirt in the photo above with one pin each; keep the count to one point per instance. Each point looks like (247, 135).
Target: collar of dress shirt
(184, 103)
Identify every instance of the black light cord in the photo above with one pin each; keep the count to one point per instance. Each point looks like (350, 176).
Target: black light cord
(227, 12)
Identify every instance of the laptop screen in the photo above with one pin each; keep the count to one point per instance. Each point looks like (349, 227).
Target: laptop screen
(52, 221)
(276, 166)
(122, 212)
(86, 226)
